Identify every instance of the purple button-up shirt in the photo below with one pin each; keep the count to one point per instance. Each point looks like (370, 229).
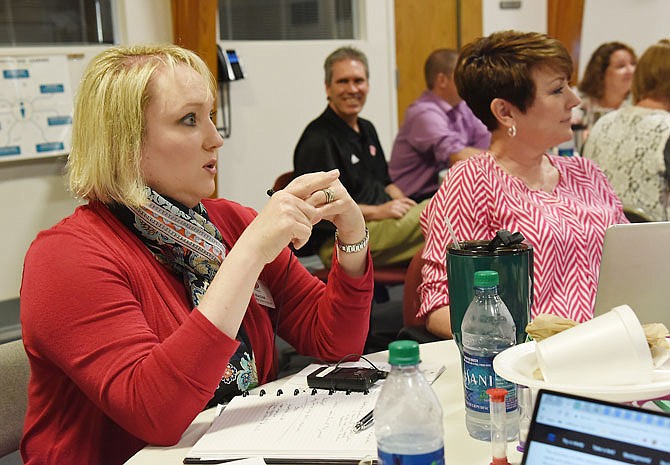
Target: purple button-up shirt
(431, 132)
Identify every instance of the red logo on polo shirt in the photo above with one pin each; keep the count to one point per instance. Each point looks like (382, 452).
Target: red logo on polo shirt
(373, 150)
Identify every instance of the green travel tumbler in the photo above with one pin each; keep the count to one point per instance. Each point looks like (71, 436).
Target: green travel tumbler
(514, 264)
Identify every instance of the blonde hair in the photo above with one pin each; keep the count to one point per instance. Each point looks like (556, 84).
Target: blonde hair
(109, 124)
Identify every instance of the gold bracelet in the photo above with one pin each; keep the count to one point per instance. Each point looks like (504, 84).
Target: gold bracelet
(353, 248)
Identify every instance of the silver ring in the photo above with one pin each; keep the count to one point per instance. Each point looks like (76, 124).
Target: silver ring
(330, 196)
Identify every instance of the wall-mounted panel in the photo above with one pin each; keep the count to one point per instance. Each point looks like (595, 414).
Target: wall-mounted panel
(36, 98)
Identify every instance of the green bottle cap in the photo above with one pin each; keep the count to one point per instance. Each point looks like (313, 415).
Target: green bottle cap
(404, 353)
(486, 278)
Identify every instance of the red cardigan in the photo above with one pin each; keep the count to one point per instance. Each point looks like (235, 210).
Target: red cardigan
(118, 356)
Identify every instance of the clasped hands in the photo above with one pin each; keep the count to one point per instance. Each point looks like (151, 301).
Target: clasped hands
(397, 208)
(290, 213)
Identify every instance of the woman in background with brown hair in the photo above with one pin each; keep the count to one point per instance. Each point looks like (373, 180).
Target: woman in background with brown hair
(632, 144)
(606, 83)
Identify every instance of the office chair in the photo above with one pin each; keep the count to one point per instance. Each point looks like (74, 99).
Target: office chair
(13, 394)
(282, 180)
(383, 276)
(414, 328)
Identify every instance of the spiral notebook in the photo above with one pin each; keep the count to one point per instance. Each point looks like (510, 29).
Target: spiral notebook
(290, 427)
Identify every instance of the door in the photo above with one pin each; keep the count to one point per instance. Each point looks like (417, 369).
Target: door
(422, 26)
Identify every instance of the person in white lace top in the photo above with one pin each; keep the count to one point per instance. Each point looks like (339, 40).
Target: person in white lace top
(632, 145)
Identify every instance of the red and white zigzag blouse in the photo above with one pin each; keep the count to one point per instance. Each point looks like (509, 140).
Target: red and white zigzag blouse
(566, 229)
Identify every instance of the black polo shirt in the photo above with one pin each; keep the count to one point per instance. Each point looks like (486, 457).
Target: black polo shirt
(329, 142)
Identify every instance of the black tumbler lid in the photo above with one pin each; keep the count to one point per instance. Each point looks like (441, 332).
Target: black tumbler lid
(504, 243)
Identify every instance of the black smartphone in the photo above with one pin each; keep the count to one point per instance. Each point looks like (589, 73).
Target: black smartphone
(344, 379)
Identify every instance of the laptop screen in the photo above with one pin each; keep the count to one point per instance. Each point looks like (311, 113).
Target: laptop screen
(573, 430)
(634, 271)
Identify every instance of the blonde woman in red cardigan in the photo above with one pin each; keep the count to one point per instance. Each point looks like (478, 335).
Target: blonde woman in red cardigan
(152, 302)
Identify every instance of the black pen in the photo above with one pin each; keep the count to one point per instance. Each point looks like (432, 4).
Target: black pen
(270, 192)
(365, 422)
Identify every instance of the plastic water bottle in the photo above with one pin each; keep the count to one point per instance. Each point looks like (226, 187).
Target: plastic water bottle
(408, 416)
(567, 148)
(488, 329)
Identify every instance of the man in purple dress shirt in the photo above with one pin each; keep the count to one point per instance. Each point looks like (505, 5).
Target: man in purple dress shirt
(439, 130)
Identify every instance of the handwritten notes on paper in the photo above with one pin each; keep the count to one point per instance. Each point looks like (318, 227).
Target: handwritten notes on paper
(303, 427)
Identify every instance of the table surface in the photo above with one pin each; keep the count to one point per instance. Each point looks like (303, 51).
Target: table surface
(459, 447)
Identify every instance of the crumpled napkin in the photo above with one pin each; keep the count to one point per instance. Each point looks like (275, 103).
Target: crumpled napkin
(659, 345)
(546, 325)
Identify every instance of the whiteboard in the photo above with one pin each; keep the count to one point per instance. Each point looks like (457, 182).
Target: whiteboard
(36, 100)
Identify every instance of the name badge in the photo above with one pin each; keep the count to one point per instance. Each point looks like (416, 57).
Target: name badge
(263, 295)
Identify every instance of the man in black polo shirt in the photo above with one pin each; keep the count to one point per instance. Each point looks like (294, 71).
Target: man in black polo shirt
(340, 139)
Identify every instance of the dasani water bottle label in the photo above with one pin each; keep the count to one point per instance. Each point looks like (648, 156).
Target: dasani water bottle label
(478, 376)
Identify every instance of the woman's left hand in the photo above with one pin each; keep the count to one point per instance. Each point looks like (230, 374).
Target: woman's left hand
(291, 213)
(339, 208)
(333, 203)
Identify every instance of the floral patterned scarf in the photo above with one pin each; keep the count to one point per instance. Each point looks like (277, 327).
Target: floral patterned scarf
(184, 240)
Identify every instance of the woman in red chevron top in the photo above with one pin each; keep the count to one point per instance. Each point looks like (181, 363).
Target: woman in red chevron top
(517, 84)
(153, 301)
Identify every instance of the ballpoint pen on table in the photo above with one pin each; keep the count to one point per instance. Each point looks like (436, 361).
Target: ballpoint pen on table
(365, 422)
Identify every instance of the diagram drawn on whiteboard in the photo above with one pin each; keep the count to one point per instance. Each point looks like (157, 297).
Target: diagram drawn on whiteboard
(35, 107)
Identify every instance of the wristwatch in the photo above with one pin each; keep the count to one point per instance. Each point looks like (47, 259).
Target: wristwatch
(353, 248)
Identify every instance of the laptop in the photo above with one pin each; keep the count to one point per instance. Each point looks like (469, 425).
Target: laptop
(572, 430)
(635, 270)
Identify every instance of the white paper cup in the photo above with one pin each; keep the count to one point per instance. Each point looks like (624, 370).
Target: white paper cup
(610, 349)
